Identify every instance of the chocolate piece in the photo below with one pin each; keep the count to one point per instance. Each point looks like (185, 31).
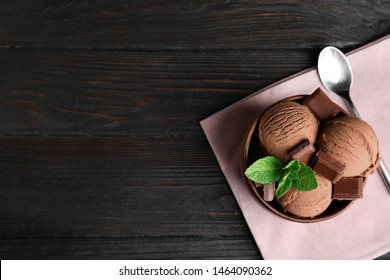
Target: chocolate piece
(321, 105)
(348, 188)
(303, 152)
(328, 167)
(269, 192)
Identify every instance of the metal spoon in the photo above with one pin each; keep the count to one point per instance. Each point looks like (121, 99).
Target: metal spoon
(336, 75)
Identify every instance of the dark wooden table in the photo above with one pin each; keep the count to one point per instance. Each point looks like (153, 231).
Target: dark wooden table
(101, 152)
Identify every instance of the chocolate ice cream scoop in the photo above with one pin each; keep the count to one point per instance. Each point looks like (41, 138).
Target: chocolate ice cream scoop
(284, 126)
(352, 142)
(308, 204)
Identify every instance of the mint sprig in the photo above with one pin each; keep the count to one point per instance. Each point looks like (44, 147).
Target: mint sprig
(295, 174)
(265, 171)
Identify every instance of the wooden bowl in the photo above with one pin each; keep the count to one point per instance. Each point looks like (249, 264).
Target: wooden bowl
(253, 150)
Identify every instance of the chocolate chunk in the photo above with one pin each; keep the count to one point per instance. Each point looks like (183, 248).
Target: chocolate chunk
(322, 106)
(348, 188)
(328, 167)
(303, 151)
(269, 192)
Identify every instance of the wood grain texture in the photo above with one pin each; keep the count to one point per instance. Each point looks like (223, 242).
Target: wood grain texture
(80, 92)
(114, 187)
(143, 248)
(191, 24)
(101, 152)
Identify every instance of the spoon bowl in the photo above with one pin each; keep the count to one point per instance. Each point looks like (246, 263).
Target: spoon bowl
(335, 71)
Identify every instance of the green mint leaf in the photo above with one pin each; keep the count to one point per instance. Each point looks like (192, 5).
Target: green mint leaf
(293, 165)
(293, 176)
(265, 171)
(307, 180)
(285, 183)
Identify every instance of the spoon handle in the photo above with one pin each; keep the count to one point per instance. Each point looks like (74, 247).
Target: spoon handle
(383, 171)
(353, 108)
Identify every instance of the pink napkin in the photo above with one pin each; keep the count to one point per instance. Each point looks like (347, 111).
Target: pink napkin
(363, 230)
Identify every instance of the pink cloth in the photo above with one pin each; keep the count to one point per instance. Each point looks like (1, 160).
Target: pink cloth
(363, 230)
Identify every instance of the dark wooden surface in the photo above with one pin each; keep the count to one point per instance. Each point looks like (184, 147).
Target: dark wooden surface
(101, 152)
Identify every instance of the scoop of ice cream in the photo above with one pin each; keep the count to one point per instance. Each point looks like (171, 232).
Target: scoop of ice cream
(351, 141)
(284, 126)
(308, 204)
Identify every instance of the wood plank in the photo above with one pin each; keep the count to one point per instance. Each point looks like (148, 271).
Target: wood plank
(130, 248)
(83, 92)
(144, 248)
(204, 24)
(114, 187)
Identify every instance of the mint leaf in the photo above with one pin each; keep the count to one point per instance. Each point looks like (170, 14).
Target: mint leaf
(293, 165)
(265, 171)
(285, 183)
(289, 178)
(293, 175)
(307, 180)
